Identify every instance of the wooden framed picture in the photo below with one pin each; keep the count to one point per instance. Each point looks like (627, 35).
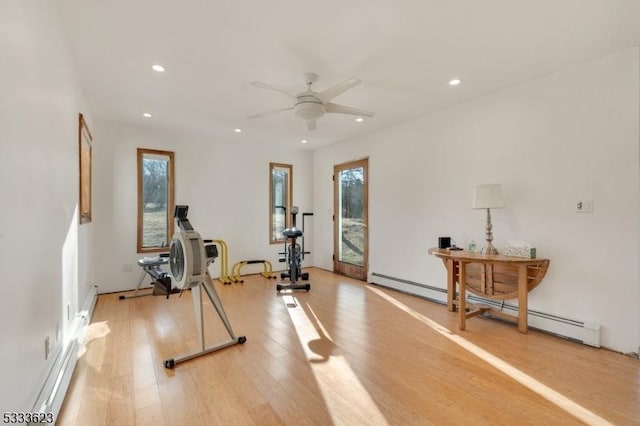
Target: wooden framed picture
(85, 145)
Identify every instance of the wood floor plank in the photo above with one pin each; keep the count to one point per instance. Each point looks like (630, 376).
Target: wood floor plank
(344, 353)
(151, 415)
(265, 415)
(120, 410)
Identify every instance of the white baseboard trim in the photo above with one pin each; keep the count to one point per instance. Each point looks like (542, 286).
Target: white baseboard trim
(431, 293)
(581, 331)
(56, 384)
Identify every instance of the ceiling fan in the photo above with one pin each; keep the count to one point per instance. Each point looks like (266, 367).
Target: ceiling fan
(311, 105)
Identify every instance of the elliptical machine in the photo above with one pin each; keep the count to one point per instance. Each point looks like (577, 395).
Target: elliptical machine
(293, 255)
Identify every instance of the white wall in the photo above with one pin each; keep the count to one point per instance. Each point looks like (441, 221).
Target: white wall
(224, 182)
(44, 254)
(572, 135)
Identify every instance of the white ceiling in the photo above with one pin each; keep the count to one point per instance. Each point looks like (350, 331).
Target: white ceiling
(404, 51)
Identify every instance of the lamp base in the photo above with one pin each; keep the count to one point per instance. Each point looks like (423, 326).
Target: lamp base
(491, 250)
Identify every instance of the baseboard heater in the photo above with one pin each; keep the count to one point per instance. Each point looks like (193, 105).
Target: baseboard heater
(580, 331)
(54, 389)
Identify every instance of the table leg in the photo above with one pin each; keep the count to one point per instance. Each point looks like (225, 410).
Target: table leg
(462, 305)
(451, 285)
(522, 299)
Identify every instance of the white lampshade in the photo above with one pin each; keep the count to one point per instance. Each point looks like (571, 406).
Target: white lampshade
(488, 197)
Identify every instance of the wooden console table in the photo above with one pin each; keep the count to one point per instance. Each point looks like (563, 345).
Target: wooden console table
(493, 277)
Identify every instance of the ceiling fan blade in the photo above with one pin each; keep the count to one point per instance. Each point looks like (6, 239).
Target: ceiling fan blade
(333, 91)
(343, 109)
(311, 125)
(262, 85)
(274, 111)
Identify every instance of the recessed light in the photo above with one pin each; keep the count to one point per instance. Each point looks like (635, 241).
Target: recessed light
(146, 114)
(158, 68)
(238, 130)
(359, 119)
(303, 141)
(454, 82)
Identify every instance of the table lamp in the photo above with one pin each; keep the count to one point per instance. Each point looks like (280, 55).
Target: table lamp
(489, 197)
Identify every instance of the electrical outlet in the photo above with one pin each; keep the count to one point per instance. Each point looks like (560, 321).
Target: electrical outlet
(584, 206)
(47, 347)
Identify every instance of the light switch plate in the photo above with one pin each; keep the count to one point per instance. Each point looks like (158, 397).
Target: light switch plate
(584, 206)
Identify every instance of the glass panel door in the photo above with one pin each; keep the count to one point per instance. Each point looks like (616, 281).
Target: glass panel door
(351, 236)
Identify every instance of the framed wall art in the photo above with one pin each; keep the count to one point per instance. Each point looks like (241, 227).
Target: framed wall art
(85, 145)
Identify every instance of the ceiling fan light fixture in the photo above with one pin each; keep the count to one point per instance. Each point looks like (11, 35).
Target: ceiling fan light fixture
(359, 119)
(309, 108)
(158, 68)
(454, 82)
(311, 105)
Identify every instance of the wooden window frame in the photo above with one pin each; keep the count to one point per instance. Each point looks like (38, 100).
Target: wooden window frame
(170, 199)
(289, 198)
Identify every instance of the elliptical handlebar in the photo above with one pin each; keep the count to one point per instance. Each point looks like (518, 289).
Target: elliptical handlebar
(294, 213)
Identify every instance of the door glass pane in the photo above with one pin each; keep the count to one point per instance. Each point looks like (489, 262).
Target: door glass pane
(351, 216)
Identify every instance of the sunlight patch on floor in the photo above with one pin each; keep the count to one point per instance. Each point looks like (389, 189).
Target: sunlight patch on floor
(96, 331)
(546, 392)
(333, 372)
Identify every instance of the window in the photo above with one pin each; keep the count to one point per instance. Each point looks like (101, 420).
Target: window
(280, 190)
(155, 200)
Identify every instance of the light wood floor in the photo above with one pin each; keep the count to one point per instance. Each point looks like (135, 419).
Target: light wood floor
(346, 353)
